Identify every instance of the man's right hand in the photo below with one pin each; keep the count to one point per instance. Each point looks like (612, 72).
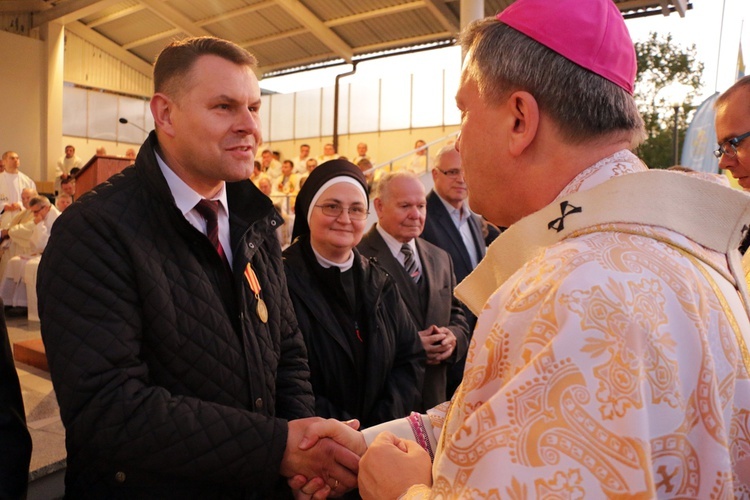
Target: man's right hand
(325, 449)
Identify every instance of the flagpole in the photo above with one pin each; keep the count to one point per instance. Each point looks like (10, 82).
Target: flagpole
(740, 57)
(718, 56)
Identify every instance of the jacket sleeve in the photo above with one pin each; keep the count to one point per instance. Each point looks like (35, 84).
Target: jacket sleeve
(15, 441)
(458, 323)
(92, 316)
(403, 387)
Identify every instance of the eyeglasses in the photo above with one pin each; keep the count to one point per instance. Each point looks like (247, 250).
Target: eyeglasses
(731, 149)
(453, 173)
(355, 212)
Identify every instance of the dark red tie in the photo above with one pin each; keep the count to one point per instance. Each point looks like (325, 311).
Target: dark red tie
(209, 210)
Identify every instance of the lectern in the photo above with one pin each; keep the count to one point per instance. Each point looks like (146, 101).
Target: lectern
(97, 170)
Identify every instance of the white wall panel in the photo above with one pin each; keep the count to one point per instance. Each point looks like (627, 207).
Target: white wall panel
(326, 127)
(395, 105)
(282, 117)
(265, 116)
(75, 111)
(427, 99)
(307, 113)
(364, 106)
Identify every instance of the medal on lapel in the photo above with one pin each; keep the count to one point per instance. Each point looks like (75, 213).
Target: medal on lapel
(261, 310)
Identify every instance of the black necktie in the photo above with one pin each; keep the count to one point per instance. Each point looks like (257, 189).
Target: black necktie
(209, 210)
(410, 264)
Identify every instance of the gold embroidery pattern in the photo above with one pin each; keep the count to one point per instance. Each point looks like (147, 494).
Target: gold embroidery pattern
(626, 362)
(739, 436)
(675, 463)
(563, 486)
(570, 425)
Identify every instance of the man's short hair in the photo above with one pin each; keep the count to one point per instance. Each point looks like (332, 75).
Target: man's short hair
(740, 85)
(39, 200)
(439, 156)
(383, 189)
(177, 59)
(69, 180)
(583, 104)
(364, 164)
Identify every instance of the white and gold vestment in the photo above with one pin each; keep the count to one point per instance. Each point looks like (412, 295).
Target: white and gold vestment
(610, 356)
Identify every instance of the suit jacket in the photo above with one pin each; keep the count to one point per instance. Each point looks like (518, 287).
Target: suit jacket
(440, 230)
(442, 308)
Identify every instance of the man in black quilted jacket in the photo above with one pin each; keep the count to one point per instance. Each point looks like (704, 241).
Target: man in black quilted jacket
(171, 339)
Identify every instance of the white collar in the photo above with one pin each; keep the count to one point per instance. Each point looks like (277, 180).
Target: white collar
(393, 244)
(343, 266)
(184, 196)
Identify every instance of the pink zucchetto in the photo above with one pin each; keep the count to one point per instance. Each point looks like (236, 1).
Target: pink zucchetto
(591, 33)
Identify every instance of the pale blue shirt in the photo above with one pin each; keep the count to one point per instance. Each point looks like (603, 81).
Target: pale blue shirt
(395, 247)
(460, 219)
(186, 199)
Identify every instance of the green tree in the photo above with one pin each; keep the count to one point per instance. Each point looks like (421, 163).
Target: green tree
(662, 64)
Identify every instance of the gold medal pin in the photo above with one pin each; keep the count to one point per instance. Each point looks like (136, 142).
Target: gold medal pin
(261, 310)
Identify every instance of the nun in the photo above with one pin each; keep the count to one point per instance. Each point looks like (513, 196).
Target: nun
(366, 360)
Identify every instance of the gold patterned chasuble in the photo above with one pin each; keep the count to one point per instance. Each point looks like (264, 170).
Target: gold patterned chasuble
(609, 365)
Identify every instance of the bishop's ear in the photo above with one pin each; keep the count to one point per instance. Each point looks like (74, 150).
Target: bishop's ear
(525, 111)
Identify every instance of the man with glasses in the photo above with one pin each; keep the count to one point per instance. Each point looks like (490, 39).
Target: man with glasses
(452, 226)
(733, 131)
(733, 134)
(13, 286)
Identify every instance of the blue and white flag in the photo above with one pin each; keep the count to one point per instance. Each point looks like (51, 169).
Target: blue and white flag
(700, 139)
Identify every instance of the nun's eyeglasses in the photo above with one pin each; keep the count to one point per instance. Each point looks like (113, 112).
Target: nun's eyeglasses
(356, 212)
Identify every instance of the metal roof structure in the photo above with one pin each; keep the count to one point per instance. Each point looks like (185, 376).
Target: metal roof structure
(283, 34)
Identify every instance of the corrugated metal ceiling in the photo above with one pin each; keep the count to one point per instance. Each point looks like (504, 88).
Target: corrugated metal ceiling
(283, 34)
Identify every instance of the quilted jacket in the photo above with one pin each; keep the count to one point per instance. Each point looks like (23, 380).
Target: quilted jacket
(169, 385)
(394, 359)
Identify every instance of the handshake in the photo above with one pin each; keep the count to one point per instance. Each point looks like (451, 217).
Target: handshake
(322, 459)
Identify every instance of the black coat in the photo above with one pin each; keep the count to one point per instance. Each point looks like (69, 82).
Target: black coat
(441, 308)
(393, 355)
(15, 442)
(440, 230)
(169, 385)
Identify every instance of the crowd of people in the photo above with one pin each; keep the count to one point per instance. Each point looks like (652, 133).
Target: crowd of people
(598, 348)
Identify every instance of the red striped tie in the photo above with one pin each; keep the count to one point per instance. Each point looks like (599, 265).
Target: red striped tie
(209, 210)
